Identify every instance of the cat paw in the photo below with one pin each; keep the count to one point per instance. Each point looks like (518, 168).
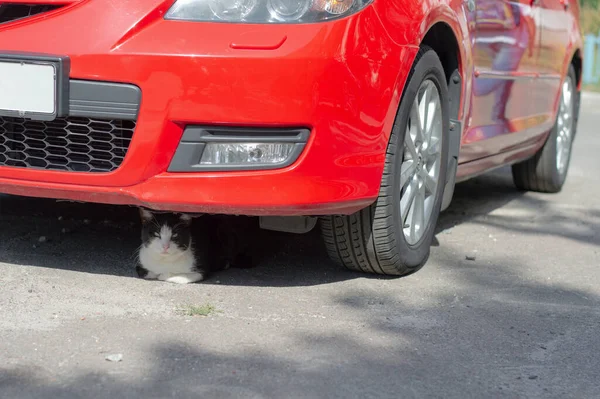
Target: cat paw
(151, 276)
(144, 273)
(183, 278)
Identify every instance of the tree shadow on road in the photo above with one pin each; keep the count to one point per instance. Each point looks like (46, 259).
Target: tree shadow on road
(529, 214)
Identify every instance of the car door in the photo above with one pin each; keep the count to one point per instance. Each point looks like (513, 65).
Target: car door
(555, 23)
(506, 40)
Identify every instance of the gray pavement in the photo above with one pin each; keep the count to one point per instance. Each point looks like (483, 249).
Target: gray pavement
(521, 320)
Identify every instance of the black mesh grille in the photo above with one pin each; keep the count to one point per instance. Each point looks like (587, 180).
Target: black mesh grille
(68, 144)
(12, 11)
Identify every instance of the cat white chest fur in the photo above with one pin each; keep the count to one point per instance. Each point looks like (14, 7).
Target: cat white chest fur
(166, 253)
(158, 263)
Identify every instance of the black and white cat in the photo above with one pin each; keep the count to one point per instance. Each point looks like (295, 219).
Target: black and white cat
(173, 251)
(166, 252)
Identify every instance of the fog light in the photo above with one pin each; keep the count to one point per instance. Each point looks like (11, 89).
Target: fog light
(226, 148)
(240, 154)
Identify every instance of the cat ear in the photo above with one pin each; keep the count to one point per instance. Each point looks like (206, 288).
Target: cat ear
(184, 217)
(146, 215)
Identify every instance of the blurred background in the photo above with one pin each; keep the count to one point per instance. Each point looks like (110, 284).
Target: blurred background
(590, 25)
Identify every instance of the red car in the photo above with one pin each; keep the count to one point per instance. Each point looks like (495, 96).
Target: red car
(364, 113)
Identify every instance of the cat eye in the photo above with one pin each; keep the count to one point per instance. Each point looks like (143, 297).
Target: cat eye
(156, 234)
(175, 235)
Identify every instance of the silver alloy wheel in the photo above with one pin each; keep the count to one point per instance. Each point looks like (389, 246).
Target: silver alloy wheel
(421, 162)
(564, 126)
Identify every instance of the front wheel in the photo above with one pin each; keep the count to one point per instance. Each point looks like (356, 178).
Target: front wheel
(393, 236)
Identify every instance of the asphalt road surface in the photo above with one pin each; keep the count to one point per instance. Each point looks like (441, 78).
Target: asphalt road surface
(520, 320)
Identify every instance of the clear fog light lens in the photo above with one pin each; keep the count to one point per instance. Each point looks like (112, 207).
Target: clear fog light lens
(239, 154)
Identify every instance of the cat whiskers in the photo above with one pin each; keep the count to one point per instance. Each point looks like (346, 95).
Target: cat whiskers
(136, 256)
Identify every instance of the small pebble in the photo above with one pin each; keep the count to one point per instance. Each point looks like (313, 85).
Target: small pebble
(42, 239)
(86, 221)
(60, 218)
(533, 377)
(471, 257)
(117, 357)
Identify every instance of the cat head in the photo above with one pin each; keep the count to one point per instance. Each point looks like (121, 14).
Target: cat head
(166, 233)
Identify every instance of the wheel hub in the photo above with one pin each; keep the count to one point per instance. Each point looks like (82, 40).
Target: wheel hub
(419, 163)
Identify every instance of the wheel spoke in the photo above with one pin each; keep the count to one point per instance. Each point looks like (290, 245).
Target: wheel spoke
(424, 112)
(407, 170)
(418, 214)
(566, 94)
(429, 182)
(434, 108)
(434, 148)
(416, 122)
(407, 201)
(410, 145)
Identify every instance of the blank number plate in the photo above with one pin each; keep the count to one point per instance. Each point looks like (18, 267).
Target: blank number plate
(28, 88)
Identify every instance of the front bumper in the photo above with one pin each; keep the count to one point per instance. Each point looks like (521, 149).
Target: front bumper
(342, 80)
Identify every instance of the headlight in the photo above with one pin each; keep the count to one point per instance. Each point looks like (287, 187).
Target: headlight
(263, 11)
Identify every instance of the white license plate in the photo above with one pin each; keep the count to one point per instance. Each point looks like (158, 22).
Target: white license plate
(27, 88)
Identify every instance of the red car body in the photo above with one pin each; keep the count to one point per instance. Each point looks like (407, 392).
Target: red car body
(341, 79)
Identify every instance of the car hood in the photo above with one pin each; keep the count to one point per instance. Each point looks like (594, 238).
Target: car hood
(76, 26)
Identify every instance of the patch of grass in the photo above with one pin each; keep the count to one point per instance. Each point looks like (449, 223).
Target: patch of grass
(197, 310)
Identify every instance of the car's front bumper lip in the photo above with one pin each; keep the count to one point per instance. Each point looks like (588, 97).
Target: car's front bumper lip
(271, 195)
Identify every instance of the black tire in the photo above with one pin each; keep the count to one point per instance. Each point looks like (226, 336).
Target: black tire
(372, 240)
(541, 172)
